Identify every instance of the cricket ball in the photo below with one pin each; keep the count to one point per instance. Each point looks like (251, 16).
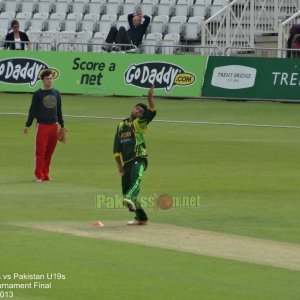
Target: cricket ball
(164, 201)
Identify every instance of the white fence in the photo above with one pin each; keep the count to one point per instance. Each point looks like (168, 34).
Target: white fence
(284, 29)
(240, 20)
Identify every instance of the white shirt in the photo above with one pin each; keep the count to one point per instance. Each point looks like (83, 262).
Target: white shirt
(18, 44)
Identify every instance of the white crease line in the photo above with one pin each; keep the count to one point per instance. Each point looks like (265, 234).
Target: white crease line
(175, 121)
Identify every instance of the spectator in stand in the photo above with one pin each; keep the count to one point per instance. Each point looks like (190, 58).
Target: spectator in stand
(16, 39)
(295, 29)
(134, 35)
(296, 46)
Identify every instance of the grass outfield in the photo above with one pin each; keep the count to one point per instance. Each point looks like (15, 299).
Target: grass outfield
(246, 177)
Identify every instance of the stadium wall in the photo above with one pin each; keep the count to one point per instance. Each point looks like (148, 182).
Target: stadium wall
(252, 78)
(186, 76)
(104, 74)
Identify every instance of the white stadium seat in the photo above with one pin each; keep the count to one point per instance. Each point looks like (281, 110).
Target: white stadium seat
(72, 22)
(82, 40)
(159, 24)
(55, 22)
(5, 19)
(193, 28)
(45, 6)
(98, 41)
(169, 43)
(122, 21)
(151, 42)
(62, 6)
(65, 40)
(113, 7)
(106, 22)
(28, 6)
(96, 6)
(38, 21)
(23, 19)
(182, 8)
(89, 21)
(79, 6)
(176, 24)
(11, 5)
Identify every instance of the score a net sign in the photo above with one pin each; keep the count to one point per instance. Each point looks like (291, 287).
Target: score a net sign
(23, 71)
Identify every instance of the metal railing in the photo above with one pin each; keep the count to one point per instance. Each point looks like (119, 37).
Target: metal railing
(240, 20)
(256, 52)
(157, 48)
(284, 29)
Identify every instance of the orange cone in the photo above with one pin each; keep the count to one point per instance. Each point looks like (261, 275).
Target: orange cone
(98, 224)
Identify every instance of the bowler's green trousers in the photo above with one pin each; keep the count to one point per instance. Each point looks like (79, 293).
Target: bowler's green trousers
(131, 181)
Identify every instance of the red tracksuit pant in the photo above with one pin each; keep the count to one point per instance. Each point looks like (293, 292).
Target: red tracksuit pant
(45, 143)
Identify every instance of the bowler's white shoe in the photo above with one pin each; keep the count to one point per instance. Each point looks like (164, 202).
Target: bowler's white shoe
(135, 222)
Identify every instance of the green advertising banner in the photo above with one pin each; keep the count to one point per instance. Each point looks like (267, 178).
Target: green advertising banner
(104, 73)
(252, 78)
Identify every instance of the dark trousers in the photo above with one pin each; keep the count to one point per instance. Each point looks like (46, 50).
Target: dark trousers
(119, 36)
(131, 184)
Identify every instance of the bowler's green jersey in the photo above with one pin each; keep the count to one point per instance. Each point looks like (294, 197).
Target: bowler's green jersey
(129, 140)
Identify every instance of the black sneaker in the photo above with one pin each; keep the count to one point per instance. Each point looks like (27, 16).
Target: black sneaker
(107, 48)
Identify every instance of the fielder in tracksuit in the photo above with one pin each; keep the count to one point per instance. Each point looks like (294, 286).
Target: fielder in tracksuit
(46, 109)
(131, 157)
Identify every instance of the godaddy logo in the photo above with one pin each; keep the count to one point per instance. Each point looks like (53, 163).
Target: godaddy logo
(159, 74)
(22, 70)
(162, 201)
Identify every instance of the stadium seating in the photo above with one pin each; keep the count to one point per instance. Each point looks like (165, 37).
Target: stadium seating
(193, 28)
(73, 22)
(5, 19)
(3, 33)
(98, 41)
(151, 42)
(82, 40)
(106, 22)
(165, 8)
(11, 5)
(159, 24)
(28, 6)
(34, 36)
(48, 40)
(23, 18)
(182, 8)
(169, 43)
(65, 40)
(113, 7)
(62, 6)
(147, 7)
(176, 24)
(79, 6)
(55, 22)
(96, 6)
(122, 21)
(90, 21)
(38, 21)
(199, 10)
(130, 6)
(96, 16)
(45, 6)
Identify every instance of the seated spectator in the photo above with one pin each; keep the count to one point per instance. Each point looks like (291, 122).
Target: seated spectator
(16, 39)
(134, 35)
(296, 46)
(295, 29)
